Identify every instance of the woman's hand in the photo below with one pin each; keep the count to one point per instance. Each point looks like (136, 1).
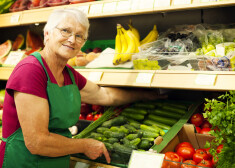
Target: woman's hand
(94, 149)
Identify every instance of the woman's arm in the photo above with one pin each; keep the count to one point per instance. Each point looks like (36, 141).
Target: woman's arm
(33, 114)
(107, 96)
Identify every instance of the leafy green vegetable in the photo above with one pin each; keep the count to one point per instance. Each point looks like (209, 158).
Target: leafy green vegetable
(220, 113)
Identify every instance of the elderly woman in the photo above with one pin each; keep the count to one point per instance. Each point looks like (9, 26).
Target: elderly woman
(43, 99)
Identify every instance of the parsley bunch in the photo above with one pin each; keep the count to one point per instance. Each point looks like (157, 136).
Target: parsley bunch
(220, 113)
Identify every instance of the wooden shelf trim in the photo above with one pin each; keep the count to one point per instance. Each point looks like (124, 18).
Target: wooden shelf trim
(41, 15)
(161, 78)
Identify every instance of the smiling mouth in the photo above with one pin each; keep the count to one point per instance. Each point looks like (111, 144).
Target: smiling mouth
(68, 46)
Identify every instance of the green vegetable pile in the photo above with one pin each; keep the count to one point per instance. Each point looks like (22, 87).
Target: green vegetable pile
(221, 114)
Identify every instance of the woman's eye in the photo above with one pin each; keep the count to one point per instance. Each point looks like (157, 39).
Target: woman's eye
(65, 30)
(79, 36)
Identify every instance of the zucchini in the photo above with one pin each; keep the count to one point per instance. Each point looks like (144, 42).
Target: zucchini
(101, 130)
(145, 144)
(164, 120)
(120, 120)
(174, 110)
(137, 117)
(165, 113)
(160, 125)
(148, 134)
(149, 128)
(134, 110)
(110, 134)
(144, 105)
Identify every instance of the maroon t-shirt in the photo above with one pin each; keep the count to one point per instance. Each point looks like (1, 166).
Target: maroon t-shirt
(29, 77)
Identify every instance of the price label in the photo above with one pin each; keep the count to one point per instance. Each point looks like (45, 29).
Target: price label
(144, 78)
(220, 50)
(84, 8)
(14, 58)
(140, 159)
(146, 4)
(135, 4)
(81, 165)
(206, 79)
(95, 76)
(123, 5)
(15, 18)
(96, 8)
(205, 0)
(182, 2)
(161, 3)
(109, 7)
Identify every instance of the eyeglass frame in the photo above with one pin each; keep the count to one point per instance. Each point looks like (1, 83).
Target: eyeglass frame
(70, 34)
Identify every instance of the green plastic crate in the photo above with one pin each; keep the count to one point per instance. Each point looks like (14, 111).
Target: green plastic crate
(103, 44)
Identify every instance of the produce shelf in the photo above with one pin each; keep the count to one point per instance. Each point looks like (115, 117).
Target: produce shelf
(223, 80)
(40, 15)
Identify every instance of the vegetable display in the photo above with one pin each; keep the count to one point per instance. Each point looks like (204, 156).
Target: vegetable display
(221, 114)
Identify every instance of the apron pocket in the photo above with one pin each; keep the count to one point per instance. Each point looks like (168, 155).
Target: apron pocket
(54, 162)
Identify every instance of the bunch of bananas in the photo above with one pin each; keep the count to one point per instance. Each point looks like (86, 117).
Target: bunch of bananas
(128, 41)
(152, 36)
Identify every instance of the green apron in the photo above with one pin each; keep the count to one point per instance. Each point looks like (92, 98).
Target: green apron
(65, 104)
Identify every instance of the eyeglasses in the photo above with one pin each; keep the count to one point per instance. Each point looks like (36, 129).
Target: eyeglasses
(67, 33)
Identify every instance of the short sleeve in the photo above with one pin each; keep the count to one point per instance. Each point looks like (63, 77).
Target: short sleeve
(28, 78)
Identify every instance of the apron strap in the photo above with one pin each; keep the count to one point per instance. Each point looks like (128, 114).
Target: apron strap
(71, 75)
(39, 58)
(4, 139)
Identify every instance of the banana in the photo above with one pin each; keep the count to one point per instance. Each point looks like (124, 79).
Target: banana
(131, 46)
(118, 48)
(137, 42)
(152, 36)
(134, 30)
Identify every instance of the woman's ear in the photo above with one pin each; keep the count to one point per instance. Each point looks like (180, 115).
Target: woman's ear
(46, 36)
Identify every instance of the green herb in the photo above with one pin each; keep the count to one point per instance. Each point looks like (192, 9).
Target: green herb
(220, 113)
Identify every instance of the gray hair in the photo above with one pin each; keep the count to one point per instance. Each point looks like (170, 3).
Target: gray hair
(59, 14)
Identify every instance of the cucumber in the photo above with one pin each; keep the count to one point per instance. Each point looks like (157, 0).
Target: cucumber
(130, 128)
(120, 120)
(164, 120)
(96, 136)
(108, 146)
(101, 130)
(132, 136)
(121, 149)
(131, 120)
(148, 134)
(124, 129)
(165, 113)
(151, 122)
(110, 134)
(149, 128)
(135, 142)
(135, 110)
(149, 139)
(145, 144)
(136, 125)
(111, 140)
(137, 117)
(114, 129)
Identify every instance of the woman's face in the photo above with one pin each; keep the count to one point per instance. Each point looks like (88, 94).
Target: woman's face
(67, 38)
